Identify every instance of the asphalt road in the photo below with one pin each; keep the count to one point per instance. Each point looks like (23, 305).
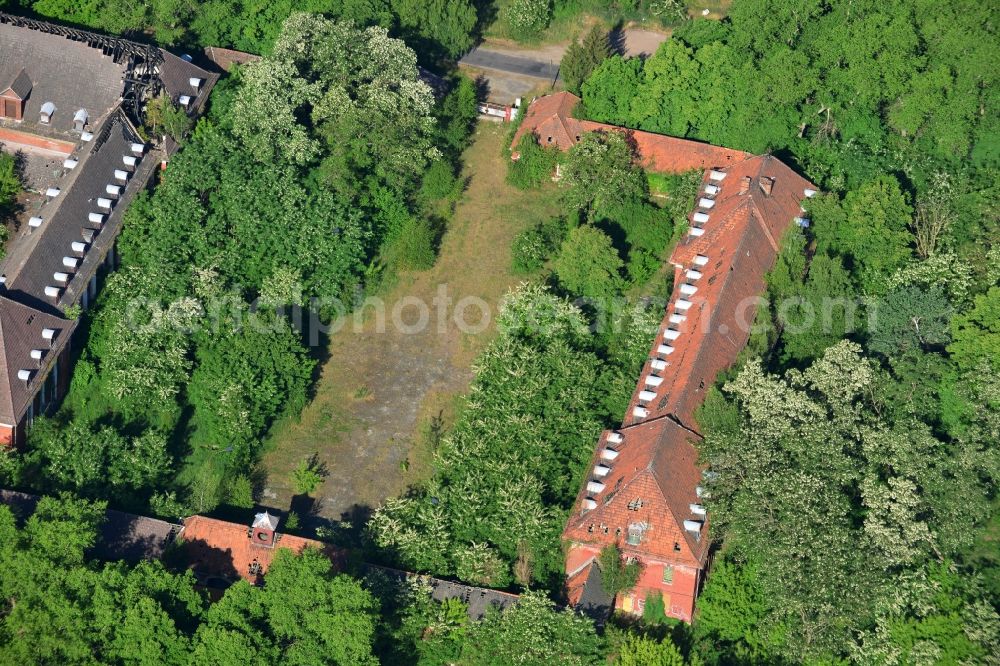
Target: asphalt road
(487, 59)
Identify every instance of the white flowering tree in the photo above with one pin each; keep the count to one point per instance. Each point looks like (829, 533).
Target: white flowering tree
(832, 495)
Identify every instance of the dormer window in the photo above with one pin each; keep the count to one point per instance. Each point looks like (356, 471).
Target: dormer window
(48, 108)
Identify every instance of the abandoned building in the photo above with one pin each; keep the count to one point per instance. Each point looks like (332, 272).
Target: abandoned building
(76, 101)
(645, 487)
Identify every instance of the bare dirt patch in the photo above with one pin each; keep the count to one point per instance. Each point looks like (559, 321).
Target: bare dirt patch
(383, 392)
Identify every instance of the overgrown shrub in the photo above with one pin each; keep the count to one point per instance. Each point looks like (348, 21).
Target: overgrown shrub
(617, 575)
(533, 166)
(524, 19)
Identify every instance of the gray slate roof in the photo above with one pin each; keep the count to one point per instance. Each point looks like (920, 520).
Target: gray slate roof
(21, 85)
(37, 256)
(69, 74)
(122, 536)
(479, 599)
(20, 332)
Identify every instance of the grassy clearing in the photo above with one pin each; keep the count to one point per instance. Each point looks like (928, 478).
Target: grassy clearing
(384, 396)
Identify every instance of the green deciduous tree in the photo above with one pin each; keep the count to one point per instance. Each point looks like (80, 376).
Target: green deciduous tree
(617, 575)
(524, 19)
(643, 651)
(588, 264)
(976, 334)
(831, 496)
(512, 458)
(303, 615)
(532, 633)
(600, 173)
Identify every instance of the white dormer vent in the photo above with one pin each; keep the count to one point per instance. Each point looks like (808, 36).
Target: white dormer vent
(671, 334)
(24, 375)
(601, 471)
(640, 412)
(666, 350)
(699, 491)
(35, 222)
(615, 437)
(71, 262)
(677, 318)
(48, 334)
(52, 192)
(716, 175)
(608, 454)
(78, 247)
(96, 218)
(87, 137)
(692, 274)
(113, 190)
(48, 108)
(59, 276)
(647, 396)
(688, 289)
(809, 193)
(653, 380)
(706, 203)
(700, 217)
(36, 354)
(700, 260)
(711, 190)
(595, 487)
(590, 504)
(697, 509)
(682, 304)
(80, 119)
(88, 235)
(103, 202)
(138, 148)
(52, 292)
(70, 163)
(184, 100)
(658, 364)
(693, 526)
(696, 231)
(121, 174)
(195, 82)
(129, 160)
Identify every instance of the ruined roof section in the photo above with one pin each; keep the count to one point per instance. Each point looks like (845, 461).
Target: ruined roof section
(69, 74)
(551, 119)
(21, 331)
(226, 59)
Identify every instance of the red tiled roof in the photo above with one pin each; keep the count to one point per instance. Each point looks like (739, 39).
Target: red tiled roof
(650, 487)
(740, 242)
(223, 549)
(550, 118)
